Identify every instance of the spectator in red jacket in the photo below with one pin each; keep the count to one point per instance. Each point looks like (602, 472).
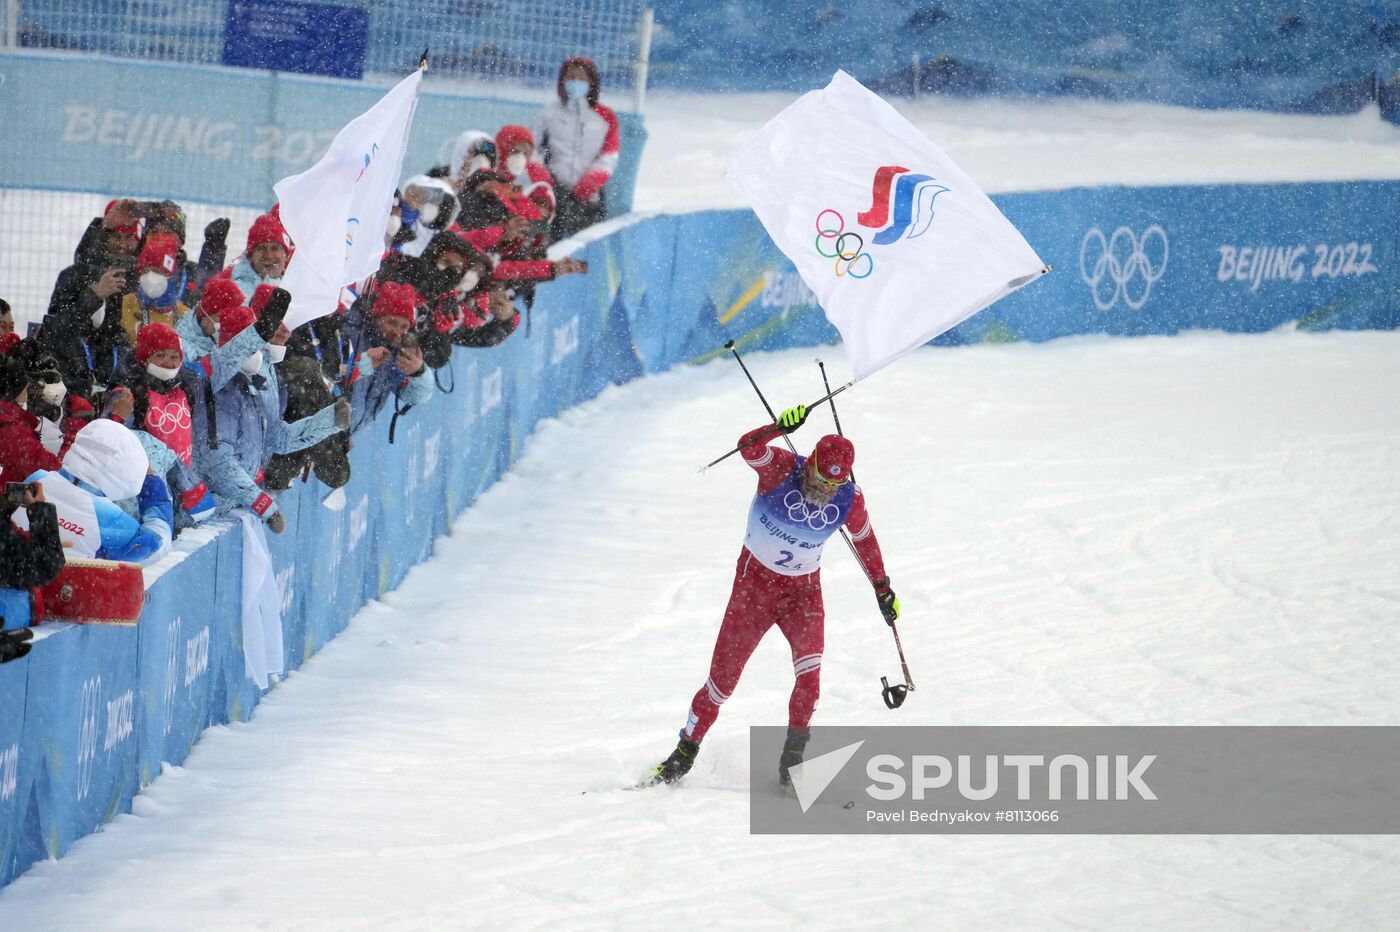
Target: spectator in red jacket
(21, 453)
(579, 140)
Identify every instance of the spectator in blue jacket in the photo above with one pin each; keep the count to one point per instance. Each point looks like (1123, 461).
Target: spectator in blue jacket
(106, 465)
(197, 330)
(388, 360)
(247, 427)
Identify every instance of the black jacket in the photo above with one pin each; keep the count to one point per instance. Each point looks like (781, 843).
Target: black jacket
(32, 561)
(88, 357)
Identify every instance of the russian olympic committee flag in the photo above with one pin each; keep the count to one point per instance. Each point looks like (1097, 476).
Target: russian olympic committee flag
(336, 210)
(896, 241)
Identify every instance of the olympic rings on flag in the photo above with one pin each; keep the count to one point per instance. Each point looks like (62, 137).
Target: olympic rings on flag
(845, 256)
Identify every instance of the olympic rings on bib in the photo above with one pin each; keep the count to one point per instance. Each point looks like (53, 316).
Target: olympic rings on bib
(847, 258)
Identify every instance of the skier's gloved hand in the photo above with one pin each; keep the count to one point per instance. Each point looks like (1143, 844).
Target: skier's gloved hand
(887, 600)
(276, 522)
(792, 418)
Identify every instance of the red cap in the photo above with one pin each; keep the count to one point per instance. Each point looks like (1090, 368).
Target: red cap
(267, 229)
(833, 457)
(508, 138)
(260, 296)
(7, 342)
(155, 337)
(131, 230)
(220, 295)
(158, 254)
(234, 321)
(541, 192)
(396, 299)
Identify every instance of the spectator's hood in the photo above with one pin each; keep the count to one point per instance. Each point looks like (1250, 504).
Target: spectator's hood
(457, 149)
(107, 455)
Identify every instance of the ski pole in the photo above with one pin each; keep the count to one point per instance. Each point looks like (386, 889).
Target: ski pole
(893, 695)
(744, 446)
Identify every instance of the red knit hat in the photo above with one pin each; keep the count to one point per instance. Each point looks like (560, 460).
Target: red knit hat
(8, 341)
(541, 192)
(267, 229)
(153, 338)
(833, 457)
(220, 295)
(260, 296)
(158, 255)
(508, 138)
(234, 321)
(134, 229)
(396, 299)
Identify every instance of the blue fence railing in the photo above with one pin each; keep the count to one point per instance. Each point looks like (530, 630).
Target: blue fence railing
(91, 713)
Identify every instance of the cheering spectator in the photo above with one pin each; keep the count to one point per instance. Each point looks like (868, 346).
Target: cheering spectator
(82, 328)
(169, 417)
(48, 397)
(264, 260)
(579, 140)
(247, 427)
(105, 465)
(197, 330)
(515, 153)
(429, 205)
(160, 285)
(21, 453)
(7, 318)
(388, 361)
(28, 560)
(468, 152)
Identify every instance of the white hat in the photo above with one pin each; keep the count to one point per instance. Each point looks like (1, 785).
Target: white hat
(107, 455)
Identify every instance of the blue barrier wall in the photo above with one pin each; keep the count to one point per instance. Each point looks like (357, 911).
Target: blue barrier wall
(215, 135)
(89, 716)
(1304, 55)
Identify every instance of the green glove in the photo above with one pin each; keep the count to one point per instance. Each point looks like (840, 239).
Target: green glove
(792, 418)
(887, 600)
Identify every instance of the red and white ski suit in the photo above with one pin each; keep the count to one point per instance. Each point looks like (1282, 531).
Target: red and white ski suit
(774, 587)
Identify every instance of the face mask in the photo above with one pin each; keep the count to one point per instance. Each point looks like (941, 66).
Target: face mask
(469, 282)
(576, 89)
(395, 224)
(516, 164)
(428, 212)
(153, 284)
(98, 316)
(160, 372)
(276, 353)
(54, 392)
(253, 364)
(475, 163)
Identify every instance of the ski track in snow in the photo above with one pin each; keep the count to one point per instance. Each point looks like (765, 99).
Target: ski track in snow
(1194, 530)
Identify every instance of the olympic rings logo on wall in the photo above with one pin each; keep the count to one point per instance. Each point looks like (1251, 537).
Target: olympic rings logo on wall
(838, 241)
(1122, 266)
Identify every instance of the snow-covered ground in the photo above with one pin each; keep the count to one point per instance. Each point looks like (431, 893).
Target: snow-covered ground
(1195, 530)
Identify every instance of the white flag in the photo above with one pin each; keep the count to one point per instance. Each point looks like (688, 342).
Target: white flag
(336, 210)
(896, 241)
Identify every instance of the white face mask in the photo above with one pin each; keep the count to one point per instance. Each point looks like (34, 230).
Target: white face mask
(253, 364)
(428, 212)
(276, 353)
(98, 316)
(395, 224)
(469, 282)
(153, 284)
(54, 392)
(160, 372)
(516, 164)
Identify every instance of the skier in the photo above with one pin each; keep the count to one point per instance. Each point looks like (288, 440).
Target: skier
(801, 502)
